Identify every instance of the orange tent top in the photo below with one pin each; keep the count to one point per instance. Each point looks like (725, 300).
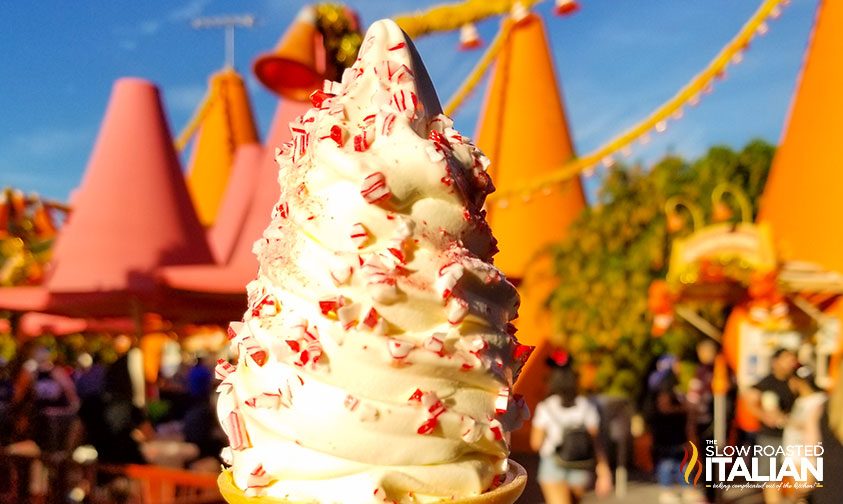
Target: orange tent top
(803, 200)
(226, 123)
(524, 132)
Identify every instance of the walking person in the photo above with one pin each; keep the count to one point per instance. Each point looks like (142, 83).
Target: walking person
(700, 398)
(803, 423)
(771, 401)
(666, 410)
(565, 434)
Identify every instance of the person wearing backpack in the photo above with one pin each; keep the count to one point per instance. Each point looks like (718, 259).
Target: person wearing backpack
(564, 433)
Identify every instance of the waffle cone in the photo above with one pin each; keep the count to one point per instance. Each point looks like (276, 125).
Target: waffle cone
(507, 493)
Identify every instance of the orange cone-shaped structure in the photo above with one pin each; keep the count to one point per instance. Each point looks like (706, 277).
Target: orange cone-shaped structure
(131, 215)
(226, 124)
(524, 132)
(803, 200)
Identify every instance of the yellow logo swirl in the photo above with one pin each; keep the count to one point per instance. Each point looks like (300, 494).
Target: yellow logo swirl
(691, 461)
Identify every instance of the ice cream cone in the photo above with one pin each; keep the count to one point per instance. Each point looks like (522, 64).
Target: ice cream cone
(507, 493)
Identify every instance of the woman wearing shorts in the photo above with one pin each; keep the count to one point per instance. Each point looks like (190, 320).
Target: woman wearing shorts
(564, 411)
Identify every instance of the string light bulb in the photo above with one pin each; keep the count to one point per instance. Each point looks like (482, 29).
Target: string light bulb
(566, 7)
(469, 38)
(519, 12)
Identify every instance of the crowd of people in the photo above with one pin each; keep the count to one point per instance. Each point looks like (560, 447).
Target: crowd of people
(50, 406)
(791, 409)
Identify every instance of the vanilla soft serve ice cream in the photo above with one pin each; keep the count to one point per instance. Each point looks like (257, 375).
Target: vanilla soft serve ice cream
(376, 358)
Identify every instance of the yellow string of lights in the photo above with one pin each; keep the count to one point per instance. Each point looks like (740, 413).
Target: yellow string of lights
(479, 70)
(658, 119)
(453, 16)
(195, 121)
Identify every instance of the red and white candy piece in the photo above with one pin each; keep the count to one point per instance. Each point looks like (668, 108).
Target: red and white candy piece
(388, 124)
(318, 97)
(435, 343)
(267, 306)
(329, 306)
(258, 478)
(399, 349)
(434, 153)
(311, 354)
(224, 369)
(265, 400)
(351, 403)
(254, 350)
(341, 273)
(374, 188)
(471, 430)
(383, 288)
(349, 315)
(435, 408)
(502, 401)
(371, 319)
(233, 330)
(495, 432)
(457, 310)
(359, 235)
(238, 437)
(331, 87)
(406, 102)
(448, 277)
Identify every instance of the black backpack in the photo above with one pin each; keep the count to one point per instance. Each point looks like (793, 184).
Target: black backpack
(576, 451)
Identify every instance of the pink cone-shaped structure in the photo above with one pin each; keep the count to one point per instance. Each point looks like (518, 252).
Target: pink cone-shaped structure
(228, 281)
(237, 200)
(132, 214)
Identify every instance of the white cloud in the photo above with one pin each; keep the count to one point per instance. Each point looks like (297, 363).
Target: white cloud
(150, 27)
(47, 143)
(184, 98)
(128, 44)
(188, 11)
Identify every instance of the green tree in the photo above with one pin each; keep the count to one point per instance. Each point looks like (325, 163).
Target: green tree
(618, 246)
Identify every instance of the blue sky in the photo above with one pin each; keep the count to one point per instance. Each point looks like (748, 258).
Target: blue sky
(616, 61)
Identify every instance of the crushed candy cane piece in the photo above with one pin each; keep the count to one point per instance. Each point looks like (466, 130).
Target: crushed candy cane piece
(399, 349)
(224, 369)
(435, 343)
(471, 430)
(348, 315)
(238, 437)
(374, 189)
(457, 310)
(265, 400)
(359, 235)
(502, 401)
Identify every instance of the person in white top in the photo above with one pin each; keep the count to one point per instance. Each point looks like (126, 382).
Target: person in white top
(564, 433)
(803, 424)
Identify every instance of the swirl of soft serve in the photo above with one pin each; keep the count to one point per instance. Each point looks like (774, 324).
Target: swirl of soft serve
(377, 355)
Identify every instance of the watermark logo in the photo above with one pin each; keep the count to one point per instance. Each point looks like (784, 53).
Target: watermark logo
(691, 463)
(758, 466)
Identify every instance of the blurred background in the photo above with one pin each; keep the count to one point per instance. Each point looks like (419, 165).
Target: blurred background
(667, 194)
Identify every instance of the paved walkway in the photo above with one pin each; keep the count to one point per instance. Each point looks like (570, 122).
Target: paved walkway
(637, 492)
